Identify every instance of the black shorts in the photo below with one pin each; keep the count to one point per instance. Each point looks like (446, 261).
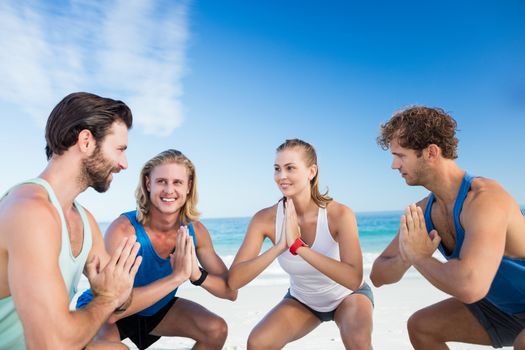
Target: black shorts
(137, 328)
(325, 316)
(501, 327)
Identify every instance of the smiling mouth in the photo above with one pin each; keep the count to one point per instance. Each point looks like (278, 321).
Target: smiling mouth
(169, 200)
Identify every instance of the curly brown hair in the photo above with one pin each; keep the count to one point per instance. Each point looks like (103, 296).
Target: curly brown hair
(417, 127)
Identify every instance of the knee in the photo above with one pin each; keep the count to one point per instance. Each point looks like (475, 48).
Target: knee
(357, 337)
(361, 341)
(217, 330)
(417, 325)
(258, 340)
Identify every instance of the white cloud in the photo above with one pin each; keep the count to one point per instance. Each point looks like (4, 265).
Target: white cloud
(131, 50)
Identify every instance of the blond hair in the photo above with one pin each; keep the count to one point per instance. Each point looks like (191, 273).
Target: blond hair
(188, 212)
(321, 199)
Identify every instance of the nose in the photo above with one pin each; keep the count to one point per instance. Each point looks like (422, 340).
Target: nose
(395, 164)
(123, 164)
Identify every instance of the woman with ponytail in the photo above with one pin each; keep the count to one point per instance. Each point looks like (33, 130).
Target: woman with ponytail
(316, 242)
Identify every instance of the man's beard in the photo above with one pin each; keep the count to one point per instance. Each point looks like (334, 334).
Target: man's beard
(96, 171)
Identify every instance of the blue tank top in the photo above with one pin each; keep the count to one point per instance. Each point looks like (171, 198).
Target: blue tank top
(152, 268)
(507, 290)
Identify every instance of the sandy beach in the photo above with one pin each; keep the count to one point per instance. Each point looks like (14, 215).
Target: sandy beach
(393, 306)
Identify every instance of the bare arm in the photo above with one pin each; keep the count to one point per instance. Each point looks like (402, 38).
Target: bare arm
(469, 277)
(35, 279)
(389, 267)
(217, 281)
(146, 296)
(248, 264)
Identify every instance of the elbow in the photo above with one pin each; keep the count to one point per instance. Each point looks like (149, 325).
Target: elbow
(52, 340)
(232, 295)
(232, 284)
(376, 277)
(473, 286)
(357, 281)
(471, 295)
(375, 281)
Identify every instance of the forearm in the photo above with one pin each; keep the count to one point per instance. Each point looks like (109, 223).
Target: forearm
(343, 273)
(146, 296)
(387, 270)
(452, 277)
(244, 272)
(218, 286)
(75, 329)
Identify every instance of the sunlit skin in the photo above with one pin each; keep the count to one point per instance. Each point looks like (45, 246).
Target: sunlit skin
(292, 176)
(289, 320)
(407, 162)
(169, 186)
(493, 226)
(30, 230)
(108, 158)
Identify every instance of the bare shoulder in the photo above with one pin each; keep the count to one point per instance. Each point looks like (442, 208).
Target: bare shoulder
(121, 227)
(340, 217)
(485, 191)
(201, 232)
(28, 205)
(199, 227)
(27, 216)
(337, 210)
(265, 216)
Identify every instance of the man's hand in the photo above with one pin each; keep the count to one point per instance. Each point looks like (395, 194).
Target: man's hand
(195, 272)
(292, 229)
(181, 259)
(115, 280)
(414, 241)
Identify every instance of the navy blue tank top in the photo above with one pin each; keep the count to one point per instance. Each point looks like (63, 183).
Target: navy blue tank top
(152, 268)
(507, 290)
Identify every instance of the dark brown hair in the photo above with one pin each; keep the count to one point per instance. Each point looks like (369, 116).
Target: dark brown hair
(80, 111)
(321, 199)
(417, 127)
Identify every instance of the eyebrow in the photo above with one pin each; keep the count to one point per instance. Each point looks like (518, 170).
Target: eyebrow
(292, 163)
(166, 179)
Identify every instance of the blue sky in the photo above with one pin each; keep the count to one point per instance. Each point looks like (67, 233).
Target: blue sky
(226, 82)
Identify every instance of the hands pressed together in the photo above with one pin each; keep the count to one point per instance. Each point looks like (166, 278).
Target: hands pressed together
(183, 259)
(290, 230)
(115, 280)
(415, 242)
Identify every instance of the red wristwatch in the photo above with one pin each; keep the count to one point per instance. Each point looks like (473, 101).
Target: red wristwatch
(296, 245)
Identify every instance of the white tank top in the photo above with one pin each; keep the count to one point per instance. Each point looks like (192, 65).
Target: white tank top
(307, 284)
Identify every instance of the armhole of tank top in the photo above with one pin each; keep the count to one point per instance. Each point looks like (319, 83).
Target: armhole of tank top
(88, 232)
(279, 217)
(324, 214)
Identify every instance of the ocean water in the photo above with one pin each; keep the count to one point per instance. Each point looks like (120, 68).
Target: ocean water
(376, 230)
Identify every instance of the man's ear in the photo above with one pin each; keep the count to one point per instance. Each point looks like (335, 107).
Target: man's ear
(86, 141)
(433, 151)
(148, 183)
